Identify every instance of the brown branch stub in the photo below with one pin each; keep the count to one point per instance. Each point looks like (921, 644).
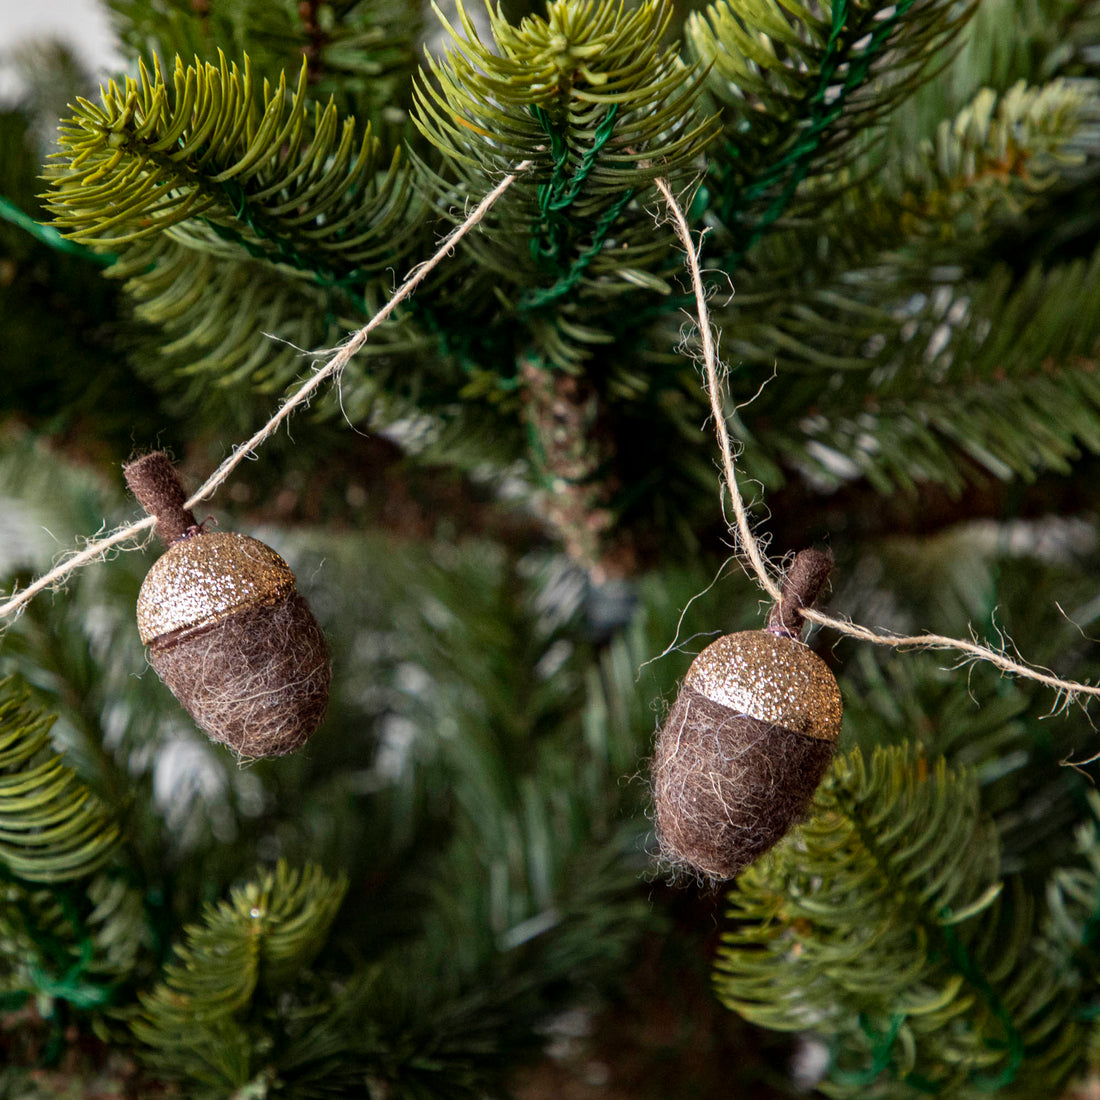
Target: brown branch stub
(803, 582)
(312, 50)
(572, 447)
(153, 480)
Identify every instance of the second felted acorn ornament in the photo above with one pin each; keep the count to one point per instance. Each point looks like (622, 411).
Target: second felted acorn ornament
(748, 739)
(226, 630)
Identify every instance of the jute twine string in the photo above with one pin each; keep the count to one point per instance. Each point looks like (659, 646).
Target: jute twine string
(94, 551)
(1068, 690)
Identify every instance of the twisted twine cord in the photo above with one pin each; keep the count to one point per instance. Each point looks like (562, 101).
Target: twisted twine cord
(332, 369)
(750, 547)
(1069, 690)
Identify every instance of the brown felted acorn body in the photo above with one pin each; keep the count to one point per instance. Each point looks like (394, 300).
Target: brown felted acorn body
(743, 749)
(228, 634)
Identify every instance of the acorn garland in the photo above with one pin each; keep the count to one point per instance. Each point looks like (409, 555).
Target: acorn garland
(226, 630)
(748, 739)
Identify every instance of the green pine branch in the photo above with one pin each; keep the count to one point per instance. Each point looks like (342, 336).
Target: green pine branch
(232, 168)
(1002, 161)
(1003, 372)
(360, 51)
(990, 364)
(801, 94)
(230, 204)
(599, 107)
(240, 320)
(883, 926)
(1005, 42)
(52, 827)
(200, 1020)
(551, 82)
(998, 157)
(1072, 907)
(61, 939)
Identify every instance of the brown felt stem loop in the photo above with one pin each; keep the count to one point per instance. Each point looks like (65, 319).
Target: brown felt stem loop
(803, 582)
(153, 480)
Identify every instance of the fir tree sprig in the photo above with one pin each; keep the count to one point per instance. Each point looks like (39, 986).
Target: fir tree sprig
(1003, 371)
(52, 827)
(802, 91)
(230, 167)
(252, 945)
(67, 934)
(602, 107)
(878, 926)
(558, 78)
(867, 310)
(997, 157)
(1073, 910)
(219, 314)
(360, 51)
(213, 186)
(999, 161)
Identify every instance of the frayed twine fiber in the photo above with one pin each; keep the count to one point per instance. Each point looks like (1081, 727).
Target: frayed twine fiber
(333, 368)
(1068, 691)
(256, 680)
(727, 787)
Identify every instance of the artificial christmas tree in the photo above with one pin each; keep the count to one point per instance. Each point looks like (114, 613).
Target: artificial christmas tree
(502, 507)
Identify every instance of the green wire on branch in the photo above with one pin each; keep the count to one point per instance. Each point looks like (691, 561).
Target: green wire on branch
(49, 236)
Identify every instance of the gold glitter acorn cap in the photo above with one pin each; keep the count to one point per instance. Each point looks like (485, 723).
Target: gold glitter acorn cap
(207, 577)
(771, 678)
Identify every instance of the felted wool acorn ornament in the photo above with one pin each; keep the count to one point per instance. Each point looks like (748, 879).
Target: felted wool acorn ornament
(226, 630)
(748, 739)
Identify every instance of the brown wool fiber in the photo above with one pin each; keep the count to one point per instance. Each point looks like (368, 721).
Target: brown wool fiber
(256, 680)
(226, 631)
(728, 787)
(805, 579)
(152, 479)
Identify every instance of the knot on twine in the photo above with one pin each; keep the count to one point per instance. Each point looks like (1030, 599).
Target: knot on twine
(801, 585)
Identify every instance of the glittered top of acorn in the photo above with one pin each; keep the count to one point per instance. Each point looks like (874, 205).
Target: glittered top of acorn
(771, 678)
(207, 577)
